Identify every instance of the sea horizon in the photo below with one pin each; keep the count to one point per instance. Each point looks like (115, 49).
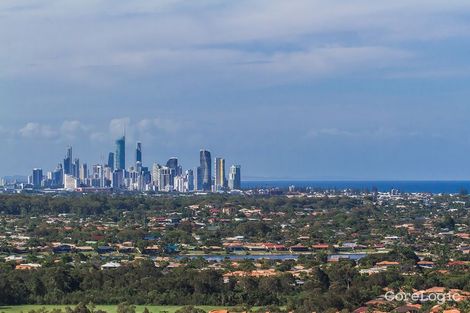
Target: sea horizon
(407, 186)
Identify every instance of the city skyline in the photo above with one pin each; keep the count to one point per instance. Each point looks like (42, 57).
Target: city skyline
(118, 173)
(300, 90)
(218, 156)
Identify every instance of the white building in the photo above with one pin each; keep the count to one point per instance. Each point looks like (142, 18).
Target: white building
(70, 182)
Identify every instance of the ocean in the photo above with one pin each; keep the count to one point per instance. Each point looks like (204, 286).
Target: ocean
(382, 186)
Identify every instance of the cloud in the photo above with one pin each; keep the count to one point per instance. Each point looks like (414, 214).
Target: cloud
(66, 131)
(99, 136)
(38, 131)
(325, 62)
(119, 126)
(108, 42)
(144, 129)
(73, 129)
(162, 124)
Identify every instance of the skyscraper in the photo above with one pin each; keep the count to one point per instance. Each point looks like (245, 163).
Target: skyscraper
(219, 173)
(111, 160)
(164, 183)
(189, 180)
(156, 174)
(83, 172)
(197, 179)
(234, 177)
(37, 177)
(120, 154)
(68, 162)
(70, 182)
(138, 153)
(205, 165)
(76, 168)
(58, 176)
(118, 179)
(172, 165)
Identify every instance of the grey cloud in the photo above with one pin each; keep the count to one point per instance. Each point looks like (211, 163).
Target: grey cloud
(166, 125)
(147, 128)
(38, 131)
(99, 44)
(119, 126)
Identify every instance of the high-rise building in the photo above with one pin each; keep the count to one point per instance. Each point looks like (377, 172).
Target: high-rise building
(205, 165)
(168, 178)
(68, 162)
(118, 179)
(220, 181)
(58, 176)
(138, 153)
(164, 183)
(107, 177)
(76, 168)
(120, 154)
(83, 172)
(37, 177)
(234, 177)
(189, 180)
(146, 176)
(198, 179)
(70, 182)
(156, 174)
(172, 165)
(111, 161)
(180, 184)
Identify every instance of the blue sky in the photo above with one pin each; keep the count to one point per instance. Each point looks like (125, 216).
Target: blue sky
(300, 89)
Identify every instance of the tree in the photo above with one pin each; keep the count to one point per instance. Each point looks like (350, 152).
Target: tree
(125, 308)
(190, 309)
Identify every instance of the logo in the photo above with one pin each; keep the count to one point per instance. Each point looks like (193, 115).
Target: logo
(440, 298)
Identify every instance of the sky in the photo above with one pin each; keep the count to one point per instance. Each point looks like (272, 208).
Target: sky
(298, 89)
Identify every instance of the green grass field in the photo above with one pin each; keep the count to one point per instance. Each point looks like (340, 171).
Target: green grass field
(107, 308)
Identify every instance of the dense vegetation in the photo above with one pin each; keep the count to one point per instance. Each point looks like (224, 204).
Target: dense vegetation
(73, 278)
(338, 286)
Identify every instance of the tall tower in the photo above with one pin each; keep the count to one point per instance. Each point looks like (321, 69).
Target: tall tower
(68, 161)
(76, 168)
(172, 165)
(197, 179)
(205, 165)
(37, 177)
(83, 172)
(111, 160)
(219, 181)
(189, 174)
(138, 153)
(234, 177)
(120, 154)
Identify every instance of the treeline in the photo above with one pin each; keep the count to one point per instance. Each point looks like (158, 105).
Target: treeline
(98, 204)
(339, 286)
(128, 308)
(141, 283)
